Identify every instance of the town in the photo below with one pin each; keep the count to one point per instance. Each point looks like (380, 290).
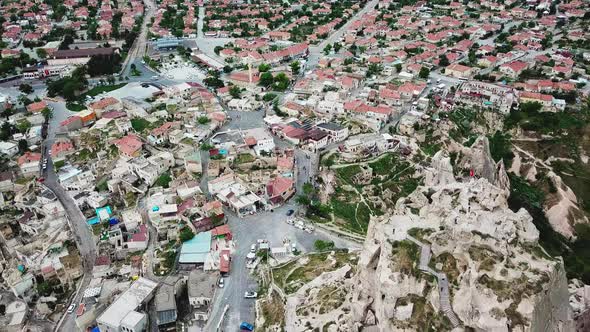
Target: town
(366, 165)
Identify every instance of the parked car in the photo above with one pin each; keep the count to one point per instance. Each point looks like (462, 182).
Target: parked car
(253, 248)
(71, 308)
(300, 224)
(220, 283)
(250, 295)
(290, 221)
(246, 326)
(290, 213)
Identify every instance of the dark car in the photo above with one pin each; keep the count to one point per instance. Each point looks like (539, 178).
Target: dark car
(290, 212)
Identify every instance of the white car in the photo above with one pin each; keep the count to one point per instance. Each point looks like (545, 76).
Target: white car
(71, 308)
(220, 283)
(250, 295)
(253, 248)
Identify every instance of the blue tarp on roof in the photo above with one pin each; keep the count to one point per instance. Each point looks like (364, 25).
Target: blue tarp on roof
(93, 221)
(95, 329)
(104, 213)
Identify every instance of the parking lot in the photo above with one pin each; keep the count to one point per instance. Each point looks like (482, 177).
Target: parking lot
(179, 69)
(272, 227)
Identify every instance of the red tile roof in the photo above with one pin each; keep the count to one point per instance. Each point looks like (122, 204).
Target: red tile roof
(36, 107)
(28, 157)
(278, 186)
(129, 144)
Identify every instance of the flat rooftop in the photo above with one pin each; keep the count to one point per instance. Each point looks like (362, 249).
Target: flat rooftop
(196, 249)
(129, 301)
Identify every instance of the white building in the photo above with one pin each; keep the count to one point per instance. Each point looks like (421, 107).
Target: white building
(261, 138)
(336, 132)
(243, 105)
(151, 168)
(131, 219)
(121, 315)
(8, 148)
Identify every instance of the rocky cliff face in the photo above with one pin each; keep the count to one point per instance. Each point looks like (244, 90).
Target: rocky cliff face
(453, 255)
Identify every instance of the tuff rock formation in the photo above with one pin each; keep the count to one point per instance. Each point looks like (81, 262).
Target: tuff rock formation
(452, 256)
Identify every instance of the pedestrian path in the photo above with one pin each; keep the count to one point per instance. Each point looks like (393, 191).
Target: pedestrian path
(443, 283)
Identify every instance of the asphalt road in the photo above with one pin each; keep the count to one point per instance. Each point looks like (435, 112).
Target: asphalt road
(76, 219)
(316, 51)
(246, 231)
(138, 48)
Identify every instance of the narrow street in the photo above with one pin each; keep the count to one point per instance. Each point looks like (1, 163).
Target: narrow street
(76, 219)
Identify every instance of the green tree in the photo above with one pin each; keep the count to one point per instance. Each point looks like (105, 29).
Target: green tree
(164, 180)
(186, 234)
(263, 68)
(337, 47)
(23, 126)
(374, 69)
(328, 49)
(6, 131)
(213, 82)
(443, 61)
(25, 88)
(281, 82)
(206, 147)
(47, 113)
(323, 245)
(23, 146)
(235, 91)
(44, 288)
(424, 72)
(500, 147)
(295, 67)
(472, 56)
(203, 120)
(41, 53)
(308, 189)
(303, 200)
(217, 49)
(269, 96)
(266, 79)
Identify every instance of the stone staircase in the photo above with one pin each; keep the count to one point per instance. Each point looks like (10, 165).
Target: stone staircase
(443, 283)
